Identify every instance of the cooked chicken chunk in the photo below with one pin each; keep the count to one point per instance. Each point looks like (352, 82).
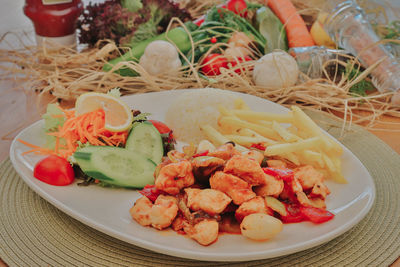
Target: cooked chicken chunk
(237, 189)
(310, 178)
(224, 152)
(175, 176)
(245, 168)
(140, 211)
(254, 205)
(164, 211)
(159, 215)
(209, 200)
(272, 186)
(255, 155)
(204, 232)
(276, 163)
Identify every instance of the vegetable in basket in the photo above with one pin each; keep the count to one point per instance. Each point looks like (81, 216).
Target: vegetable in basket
(127, 22)
(219, 23)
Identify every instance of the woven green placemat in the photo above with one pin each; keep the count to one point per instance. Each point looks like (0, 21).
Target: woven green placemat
(34, 233)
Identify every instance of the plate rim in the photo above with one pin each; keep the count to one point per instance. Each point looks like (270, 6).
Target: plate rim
(185, 253)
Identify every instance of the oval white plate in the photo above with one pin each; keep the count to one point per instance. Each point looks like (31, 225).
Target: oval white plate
(107, 209)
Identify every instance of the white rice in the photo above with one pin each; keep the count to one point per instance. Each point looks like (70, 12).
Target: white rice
(194, 108)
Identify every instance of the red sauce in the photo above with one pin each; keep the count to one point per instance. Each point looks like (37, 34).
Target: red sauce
(55, 19)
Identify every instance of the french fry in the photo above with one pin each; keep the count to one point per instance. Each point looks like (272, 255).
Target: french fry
(303, 122)
(217, 138)
(240, 104)
(285, 134)
(329, 164)
(251, 133)
(312, 158)
(224, 111)
(267, 116)
(292, 157)
(338, 177)
(280, 149)
(238, 123)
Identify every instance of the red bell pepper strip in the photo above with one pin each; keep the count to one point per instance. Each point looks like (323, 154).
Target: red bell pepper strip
(284, 174)
(151, 192)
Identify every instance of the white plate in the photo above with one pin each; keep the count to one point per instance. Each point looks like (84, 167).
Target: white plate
(107, 210)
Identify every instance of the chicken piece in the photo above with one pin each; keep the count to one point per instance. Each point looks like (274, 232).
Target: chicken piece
(310, 178)
(209, 200)
(313, 202)
(237, 189)
(245, 168)
(140, 211)
(178, 223)
(224, 152)
(272, 186)
(164, 211)
(204, 232)
(255, 155)
(254, 205)
(276, 163)
(320, 190)
(175, 176)
(159, 215)
(205, 166)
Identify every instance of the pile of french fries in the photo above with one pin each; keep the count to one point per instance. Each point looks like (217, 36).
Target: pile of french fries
(293, 136)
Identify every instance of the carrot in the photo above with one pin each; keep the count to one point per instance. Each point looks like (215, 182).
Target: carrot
(296, 29)
(88, 127)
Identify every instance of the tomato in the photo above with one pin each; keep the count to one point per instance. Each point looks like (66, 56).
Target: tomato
(316, 215)
(240, 60)
(151, 192)
(213, 63)
(238, 7)
(54, 170)
(160, 126)
(199, 21)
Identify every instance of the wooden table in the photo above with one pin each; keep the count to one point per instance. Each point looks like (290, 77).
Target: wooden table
(16, 109)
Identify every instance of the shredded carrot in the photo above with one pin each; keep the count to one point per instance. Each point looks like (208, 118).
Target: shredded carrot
(88, 127)
(296, 29)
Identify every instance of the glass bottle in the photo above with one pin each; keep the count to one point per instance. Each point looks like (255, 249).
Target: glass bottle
(54, 20)
(348, 26)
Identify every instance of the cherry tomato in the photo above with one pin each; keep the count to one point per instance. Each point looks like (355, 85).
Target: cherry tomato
(238, 7)
(199, 21)
(240, 60)
(54, 170)
(316, 215)
(213, 63)
(160, 126)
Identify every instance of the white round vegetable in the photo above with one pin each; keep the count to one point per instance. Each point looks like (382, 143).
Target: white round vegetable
(260, 226)
(159, 57)
(276, 70)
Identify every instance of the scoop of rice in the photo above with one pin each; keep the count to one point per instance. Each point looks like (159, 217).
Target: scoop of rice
(194, 108)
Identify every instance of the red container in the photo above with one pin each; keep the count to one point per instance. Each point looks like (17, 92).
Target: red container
(53, 18)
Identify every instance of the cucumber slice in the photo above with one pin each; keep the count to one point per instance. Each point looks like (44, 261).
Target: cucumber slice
(117, 166)
(146, 139)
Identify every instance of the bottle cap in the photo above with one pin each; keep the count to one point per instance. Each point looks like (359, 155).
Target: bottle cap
(54, 42)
